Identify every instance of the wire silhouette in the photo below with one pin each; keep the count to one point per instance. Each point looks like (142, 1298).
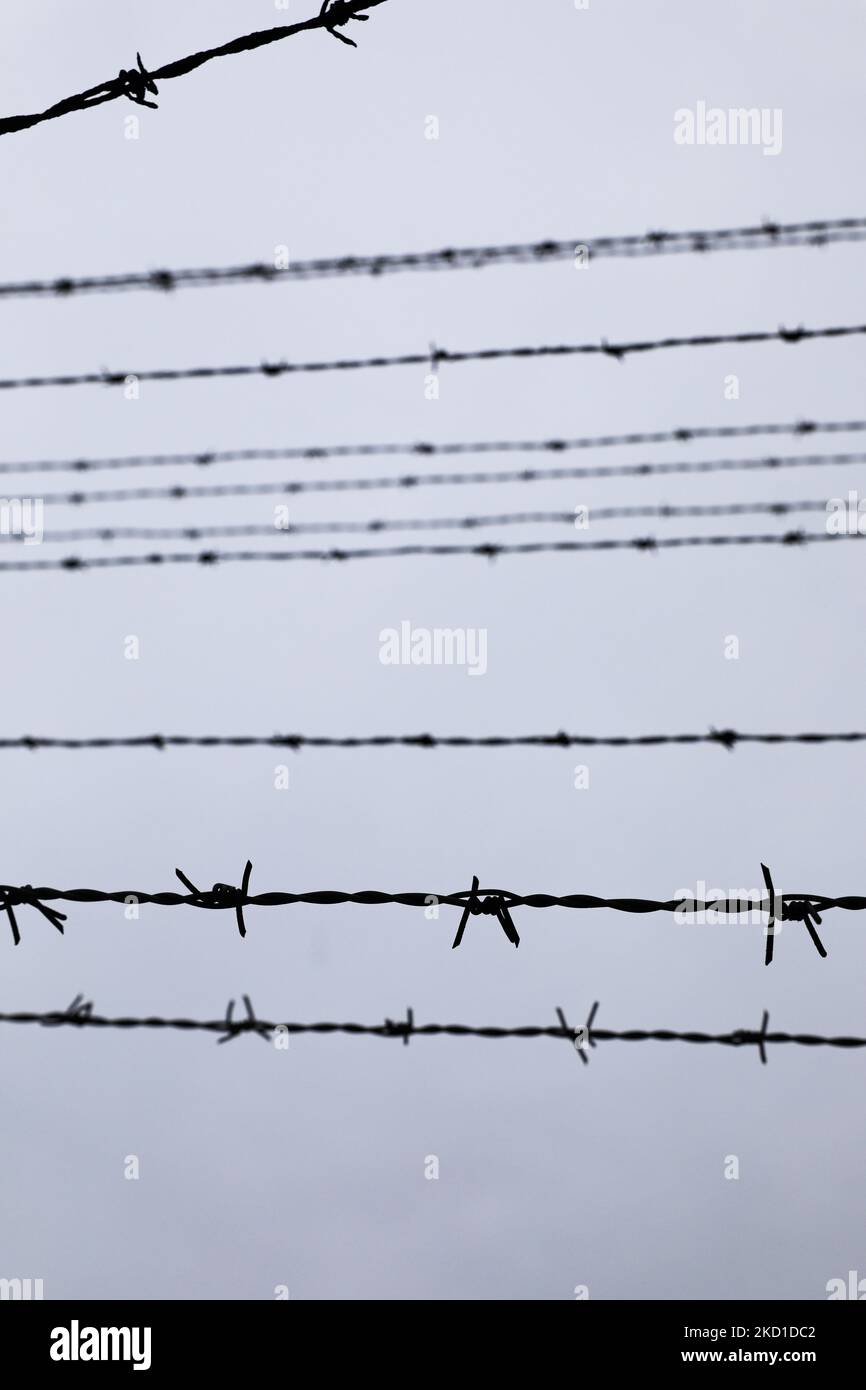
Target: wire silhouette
(80, 1014)
(203, 458)
(489, 550)
(222, 895)
(10, 898)
(769, 235)
(137, 83)
(180, 492)
(491, 905)
(724, 738)
(476, 902)
(436, 523)
(436, 357)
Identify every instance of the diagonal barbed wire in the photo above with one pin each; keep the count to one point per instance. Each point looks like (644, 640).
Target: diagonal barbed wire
(474, 902)
(662, 510)
(819, 232)
(586, 1036)
(436, 357)
(311, 453)
(723, 738)
(489, 550)
(137, 83)
(180, 492)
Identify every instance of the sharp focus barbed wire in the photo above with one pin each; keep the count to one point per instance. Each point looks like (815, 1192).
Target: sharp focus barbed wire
(136, 83)
(723, 738)
(489, 550)
(439, 523)
(586, 1036)
(767, 235)
(475, 902)
(436, 357)
(310, 453)
(181, 492)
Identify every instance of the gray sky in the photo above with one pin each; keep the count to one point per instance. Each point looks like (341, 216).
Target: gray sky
(260, 1168)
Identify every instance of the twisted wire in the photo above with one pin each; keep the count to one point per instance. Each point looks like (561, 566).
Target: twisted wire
(80, 1014)
(436, 357)
(309, 453)
(766, 236)
(182, 491)
(723, 738)
(443, 523)
(135, 83)
(489, 550)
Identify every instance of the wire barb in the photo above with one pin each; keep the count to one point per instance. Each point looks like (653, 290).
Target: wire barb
(248, 1025)
(745, 1037)
(339, 12)
(802, 910)
(580, 1038)
(401, 1030)
(222, 895)
(136, 82)
(590, 1019)
(495, 904)
(568, 1033)
(771, 909)
(795, 907)
(26, 896)
(78, 1011)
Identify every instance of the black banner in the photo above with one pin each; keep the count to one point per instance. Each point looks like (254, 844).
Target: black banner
(159, 1339)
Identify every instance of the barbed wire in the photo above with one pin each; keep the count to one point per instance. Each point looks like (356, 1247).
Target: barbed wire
(767, 235)
(310, 453)
(438, 356)
(586, 1036)
(438, 523)
(724, 738)
(490, 550)
(181, 492)
(476, 902)
(138, 83)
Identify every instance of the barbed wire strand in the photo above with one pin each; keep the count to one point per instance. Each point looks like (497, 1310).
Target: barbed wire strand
(476, 902)
(441, 523)
(138, 82)
(310, 453)
(490, 550)
(766, 236)
(181, 492)
(437, 356)
(587, 1036)
(724, 738)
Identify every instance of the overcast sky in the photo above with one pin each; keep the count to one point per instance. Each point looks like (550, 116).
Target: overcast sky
(306, 1168)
